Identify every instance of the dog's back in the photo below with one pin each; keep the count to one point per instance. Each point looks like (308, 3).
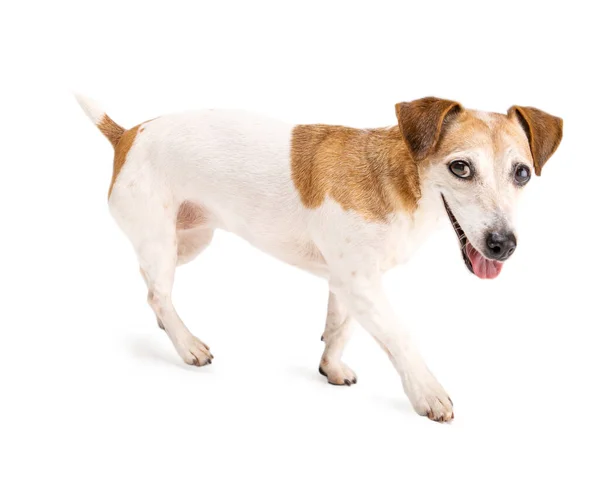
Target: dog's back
(207, 170)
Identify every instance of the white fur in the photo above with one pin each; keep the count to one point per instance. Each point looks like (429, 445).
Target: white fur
(94, 111)
(490, 201)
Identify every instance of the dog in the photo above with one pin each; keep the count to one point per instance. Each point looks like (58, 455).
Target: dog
(345, 204)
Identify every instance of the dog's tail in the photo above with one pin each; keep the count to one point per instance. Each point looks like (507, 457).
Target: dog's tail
(105, 124)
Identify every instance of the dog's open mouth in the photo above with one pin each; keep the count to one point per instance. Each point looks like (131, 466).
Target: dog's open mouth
(476, 262)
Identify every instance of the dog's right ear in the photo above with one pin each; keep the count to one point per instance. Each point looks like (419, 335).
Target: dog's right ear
(422, 122)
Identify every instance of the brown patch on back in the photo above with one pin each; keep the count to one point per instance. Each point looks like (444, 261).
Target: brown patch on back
(367, 171)
(121, 149)
(111, 130)
(190, 215)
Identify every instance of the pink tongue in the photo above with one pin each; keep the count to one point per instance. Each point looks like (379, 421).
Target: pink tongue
(482, 267)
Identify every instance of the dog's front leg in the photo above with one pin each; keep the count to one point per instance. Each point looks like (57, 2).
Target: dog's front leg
(338, 329)
(363, 296)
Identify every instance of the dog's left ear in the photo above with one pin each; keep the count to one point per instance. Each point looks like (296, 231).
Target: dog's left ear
(422, 123)
(543, 131)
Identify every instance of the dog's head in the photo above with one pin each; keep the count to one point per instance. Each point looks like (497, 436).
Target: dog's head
(479, 163)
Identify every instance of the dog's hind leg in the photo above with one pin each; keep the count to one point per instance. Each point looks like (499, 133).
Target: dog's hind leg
(191, 242)
(150, 223)
(338, 330)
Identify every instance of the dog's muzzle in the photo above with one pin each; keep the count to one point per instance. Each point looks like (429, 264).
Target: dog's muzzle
(499, 246)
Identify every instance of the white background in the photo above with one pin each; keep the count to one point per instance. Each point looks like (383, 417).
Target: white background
(91, 387)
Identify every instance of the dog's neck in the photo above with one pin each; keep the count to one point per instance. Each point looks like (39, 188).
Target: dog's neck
(416, 195)
(403, 182)
(419, 208)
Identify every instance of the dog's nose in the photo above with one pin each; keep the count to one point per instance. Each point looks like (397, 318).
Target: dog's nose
(501, 245)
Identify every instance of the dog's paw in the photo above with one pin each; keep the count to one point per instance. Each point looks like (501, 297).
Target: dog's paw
(436, 407)
(193, 351)
(337, 373)
(429, 399)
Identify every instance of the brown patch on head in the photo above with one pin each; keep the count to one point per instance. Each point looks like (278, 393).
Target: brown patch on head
(121, 149)
(543, 131)
(190, 215)
(367, 171)
(470, 129)
(506, 133)
(494, 132)
(111, 130)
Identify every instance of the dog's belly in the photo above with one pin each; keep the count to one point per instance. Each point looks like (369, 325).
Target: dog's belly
(272, 234)
(301, 254)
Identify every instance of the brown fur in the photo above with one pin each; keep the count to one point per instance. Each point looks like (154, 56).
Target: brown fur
(374, 172)
(367, 171)
(122, 140)
(111, 130)
(468, 130)
(543, 130)
(422, 122)
(121, 149)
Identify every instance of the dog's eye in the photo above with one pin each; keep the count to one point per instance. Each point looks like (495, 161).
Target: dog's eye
(522, 174)
(461, 169)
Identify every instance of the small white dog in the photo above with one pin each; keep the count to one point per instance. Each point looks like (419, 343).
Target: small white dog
(346, 204)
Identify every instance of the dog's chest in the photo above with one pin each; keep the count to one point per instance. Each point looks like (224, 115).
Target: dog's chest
(405, 236)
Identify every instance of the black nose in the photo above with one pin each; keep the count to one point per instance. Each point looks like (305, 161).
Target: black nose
(501, 245)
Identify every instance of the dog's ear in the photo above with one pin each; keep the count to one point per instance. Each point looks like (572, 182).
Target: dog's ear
(422, 122)
(543, 131)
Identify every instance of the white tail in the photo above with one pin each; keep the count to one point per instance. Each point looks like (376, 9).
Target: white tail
(105, 124)
(94, 111)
